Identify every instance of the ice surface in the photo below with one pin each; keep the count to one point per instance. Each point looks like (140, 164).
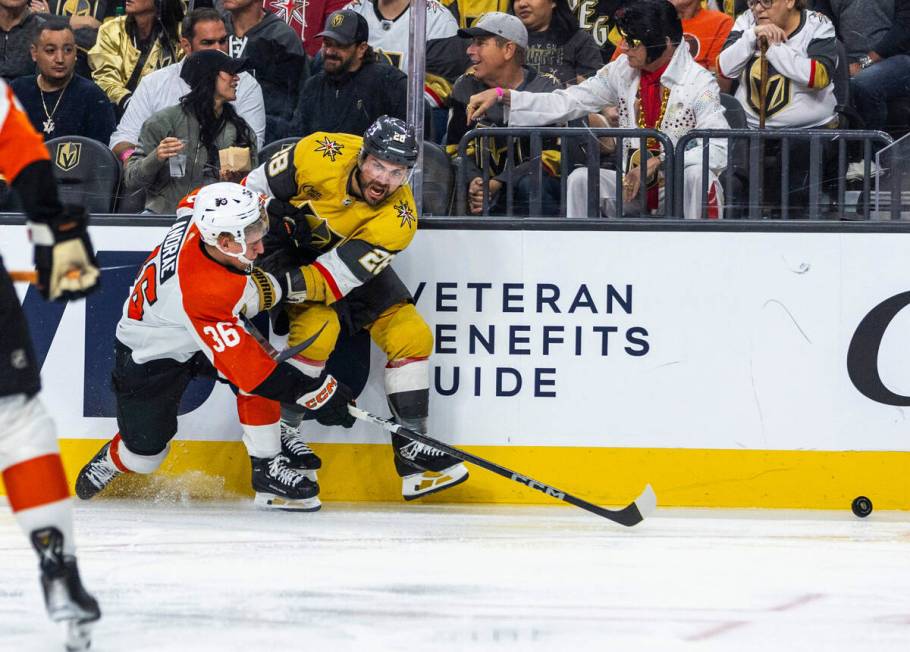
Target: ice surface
(224, 576)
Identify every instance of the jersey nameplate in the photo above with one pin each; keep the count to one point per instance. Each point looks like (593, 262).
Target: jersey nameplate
(170, 247)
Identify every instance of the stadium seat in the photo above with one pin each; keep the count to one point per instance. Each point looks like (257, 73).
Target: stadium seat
(438, 180)
(87, 172)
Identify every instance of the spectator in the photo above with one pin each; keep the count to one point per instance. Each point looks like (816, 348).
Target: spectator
(17, 25)
(85, 17)
(58, 101)
(498, 51)
(876, 34)
(596, 18)
(202, 124)
(275, 53)
(389, 26)
(467, 12)
(304, 17)
(130, 47)
(656, 84)
(802, 58)
(556, 45)
(353, 89)
(705, 31)
(202, 29)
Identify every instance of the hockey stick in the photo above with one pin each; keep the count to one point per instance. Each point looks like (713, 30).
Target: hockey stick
(31, 276)
(630, 515)
(762, 81)
(275, 354)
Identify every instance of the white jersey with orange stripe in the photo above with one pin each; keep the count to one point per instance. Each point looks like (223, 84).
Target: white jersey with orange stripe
(184, 301)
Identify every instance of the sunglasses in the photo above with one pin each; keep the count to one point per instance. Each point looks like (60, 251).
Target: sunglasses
(766, 4)
(630, 42)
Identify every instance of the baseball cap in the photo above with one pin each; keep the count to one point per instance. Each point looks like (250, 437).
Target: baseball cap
(346, 27)
(496, 23)
(201, 64)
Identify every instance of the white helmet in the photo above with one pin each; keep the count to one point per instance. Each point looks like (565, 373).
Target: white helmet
(229, 208)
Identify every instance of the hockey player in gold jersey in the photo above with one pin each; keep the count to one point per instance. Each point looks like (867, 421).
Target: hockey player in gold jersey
(348, 211)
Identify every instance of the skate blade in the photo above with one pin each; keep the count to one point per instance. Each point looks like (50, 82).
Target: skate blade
(78, 636)
(430, 482)
(271, 501)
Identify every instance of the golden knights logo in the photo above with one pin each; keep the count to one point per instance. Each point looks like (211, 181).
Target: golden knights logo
(405, 214)
(329, 148)
(322, 236)
(779, 94)
(68, 155)
(337, 20)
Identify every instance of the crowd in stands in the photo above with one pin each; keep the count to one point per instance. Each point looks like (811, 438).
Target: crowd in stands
(159, 79)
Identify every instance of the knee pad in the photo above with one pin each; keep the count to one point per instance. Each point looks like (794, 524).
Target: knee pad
(305, 322)
(404, 334)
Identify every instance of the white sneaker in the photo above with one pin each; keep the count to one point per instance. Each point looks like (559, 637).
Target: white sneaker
(418, 485)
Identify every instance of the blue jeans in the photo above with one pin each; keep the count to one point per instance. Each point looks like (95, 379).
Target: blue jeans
(878, 84)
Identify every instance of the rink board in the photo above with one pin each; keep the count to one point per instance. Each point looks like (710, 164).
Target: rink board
(717, 366)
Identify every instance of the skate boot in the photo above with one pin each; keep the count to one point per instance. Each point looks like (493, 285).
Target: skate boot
(425, 470)
(280, 486)
(97, 474)
(64, 596)
(298, 452)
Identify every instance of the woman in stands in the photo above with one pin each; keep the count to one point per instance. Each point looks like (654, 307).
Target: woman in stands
(191, 133)
(131, 46)
(556, 45)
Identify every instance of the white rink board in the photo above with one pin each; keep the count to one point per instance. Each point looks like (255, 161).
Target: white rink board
(747, 338)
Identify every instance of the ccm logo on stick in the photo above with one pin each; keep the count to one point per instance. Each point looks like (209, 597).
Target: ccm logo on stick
(534, 484)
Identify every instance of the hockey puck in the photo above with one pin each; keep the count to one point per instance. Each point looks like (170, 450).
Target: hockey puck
(862, 506)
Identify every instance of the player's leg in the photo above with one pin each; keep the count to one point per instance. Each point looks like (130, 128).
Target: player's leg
(304, 321)
(406, 339)
(277, 484)
(32, 471)
(148, 396)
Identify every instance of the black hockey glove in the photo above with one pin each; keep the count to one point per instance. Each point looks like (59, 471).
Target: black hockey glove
(64, 256)
(329, 402)
(289, 222)
(286, 271)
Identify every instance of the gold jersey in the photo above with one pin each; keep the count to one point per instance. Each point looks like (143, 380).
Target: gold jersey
(357, 241)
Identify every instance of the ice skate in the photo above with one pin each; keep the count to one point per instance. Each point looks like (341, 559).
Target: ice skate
(97, 474)
(418, 485)
(280, 486)
(299, 454)
(66, 599)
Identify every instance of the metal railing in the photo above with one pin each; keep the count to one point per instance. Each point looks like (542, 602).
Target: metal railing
(751, 164)
(568, 137)
(743, 179)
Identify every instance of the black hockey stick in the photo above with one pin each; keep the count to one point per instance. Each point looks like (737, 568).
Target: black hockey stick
(276, 355)
(630, 515)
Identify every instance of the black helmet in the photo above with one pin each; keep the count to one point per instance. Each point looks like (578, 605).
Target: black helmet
(392, 140)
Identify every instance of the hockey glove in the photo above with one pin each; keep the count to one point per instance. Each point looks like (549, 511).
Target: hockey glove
(329, 402)
(287, 274)
(289, 221)
(64, 256)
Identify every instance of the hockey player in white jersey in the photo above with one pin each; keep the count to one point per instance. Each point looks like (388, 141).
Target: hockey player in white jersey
(184, 318)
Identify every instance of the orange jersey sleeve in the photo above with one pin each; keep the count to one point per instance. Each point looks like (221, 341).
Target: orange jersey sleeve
(213, 298)
(20, 144)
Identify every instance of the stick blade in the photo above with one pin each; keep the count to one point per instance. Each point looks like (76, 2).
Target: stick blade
(635, 512)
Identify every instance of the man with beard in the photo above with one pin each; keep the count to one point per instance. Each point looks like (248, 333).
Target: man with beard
(353, 88)
(346, 211)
